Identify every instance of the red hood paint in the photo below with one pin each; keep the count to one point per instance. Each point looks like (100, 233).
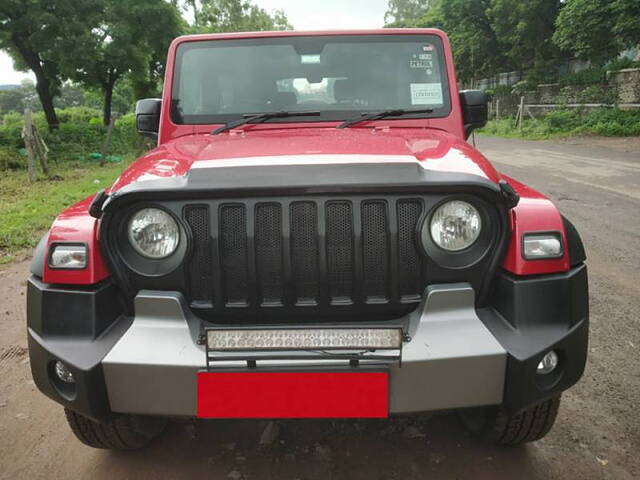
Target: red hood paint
(437, 149)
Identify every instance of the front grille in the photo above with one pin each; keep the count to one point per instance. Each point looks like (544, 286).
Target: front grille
(305, 253)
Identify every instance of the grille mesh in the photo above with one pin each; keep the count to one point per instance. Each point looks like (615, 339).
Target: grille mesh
(288, 240)
(304, 251)
(410, 259)
(375, 250)
(340, 251)
(200, 275)
(268, 245)
(233, 234)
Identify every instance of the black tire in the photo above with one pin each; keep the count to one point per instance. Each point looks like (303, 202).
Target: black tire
(121, 432)
(494, 426)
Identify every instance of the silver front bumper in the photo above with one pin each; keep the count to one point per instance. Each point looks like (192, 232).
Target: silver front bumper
(450, 361)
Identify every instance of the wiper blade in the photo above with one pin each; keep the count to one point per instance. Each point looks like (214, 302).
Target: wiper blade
(261, 117)
(382, 114)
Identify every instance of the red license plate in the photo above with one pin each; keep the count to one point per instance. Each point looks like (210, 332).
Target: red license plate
(293, 395)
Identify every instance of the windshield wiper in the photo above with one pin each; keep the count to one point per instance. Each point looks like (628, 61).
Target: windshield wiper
(261, 117)
(382, 114)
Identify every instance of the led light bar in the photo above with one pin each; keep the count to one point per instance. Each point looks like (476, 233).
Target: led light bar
(304, 339)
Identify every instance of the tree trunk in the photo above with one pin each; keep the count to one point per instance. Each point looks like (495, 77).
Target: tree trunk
(43, 82)
(106, 110)
(42, 87)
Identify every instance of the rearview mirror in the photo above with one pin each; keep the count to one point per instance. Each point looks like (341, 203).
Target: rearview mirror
(474, 110)
(148, 117)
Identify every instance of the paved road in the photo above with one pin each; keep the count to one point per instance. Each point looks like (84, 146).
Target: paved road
(598, 430)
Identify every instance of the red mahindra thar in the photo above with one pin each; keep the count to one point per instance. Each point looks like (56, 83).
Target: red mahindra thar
(311, 237)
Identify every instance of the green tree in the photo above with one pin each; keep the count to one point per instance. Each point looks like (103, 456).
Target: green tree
(125, 37)
(585, 28)
(524, 32)
(34, 33)
(406, 13)
(598, 30)
(471, 33)
(627, 26)
(234, 16)
(11, 100)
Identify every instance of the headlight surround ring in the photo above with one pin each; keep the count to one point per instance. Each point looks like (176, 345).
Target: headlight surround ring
(472, 253)
(136, 261)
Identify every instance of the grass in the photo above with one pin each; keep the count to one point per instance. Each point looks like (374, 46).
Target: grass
(608, 122)
(27, 210)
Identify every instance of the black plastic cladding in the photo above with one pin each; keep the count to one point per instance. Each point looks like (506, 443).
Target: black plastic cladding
(368, 268)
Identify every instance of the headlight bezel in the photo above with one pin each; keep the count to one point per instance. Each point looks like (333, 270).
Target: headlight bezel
(474, 253)
(146, 266)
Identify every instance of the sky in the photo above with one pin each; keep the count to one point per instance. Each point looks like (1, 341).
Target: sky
(302, 14)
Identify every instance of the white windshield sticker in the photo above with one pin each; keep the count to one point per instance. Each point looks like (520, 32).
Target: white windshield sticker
(426, 94)
(309, 58)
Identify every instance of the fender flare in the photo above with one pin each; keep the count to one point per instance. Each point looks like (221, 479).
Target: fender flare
(575, 246)
(40, 256)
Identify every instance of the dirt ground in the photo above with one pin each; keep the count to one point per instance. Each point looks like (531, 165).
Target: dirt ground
(597, 434)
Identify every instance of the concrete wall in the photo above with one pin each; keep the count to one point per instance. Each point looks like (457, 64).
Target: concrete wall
(627, 82)
(622, 87)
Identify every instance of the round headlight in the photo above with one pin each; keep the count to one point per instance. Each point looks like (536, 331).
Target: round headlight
(153, 233)
(455, 225)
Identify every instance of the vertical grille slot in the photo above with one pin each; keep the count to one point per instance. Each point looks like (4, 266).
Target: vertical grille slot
(409, 258)
(375, 251)
(233, 246)
(268, 244)
(304, 251)
(200, 264)
(340, 253)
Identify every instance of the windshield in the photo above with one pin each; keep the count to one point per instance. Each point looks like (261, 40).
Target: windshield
(221, 80)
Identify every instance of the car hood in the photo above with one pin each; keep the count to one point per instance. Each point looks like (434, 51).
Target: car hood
(435, 149)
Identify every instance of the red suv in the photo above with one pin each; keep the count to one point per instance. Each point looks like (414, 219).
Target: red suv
(311, 237)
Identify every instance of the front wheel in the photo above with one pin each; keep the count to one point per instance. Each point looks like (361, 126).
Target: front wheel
(529, 425)
(121, 432)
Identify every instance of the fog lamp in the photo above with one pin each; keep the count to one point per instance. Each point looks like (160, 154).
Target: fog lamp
(548, 363)
(63, 373)
(304, 339)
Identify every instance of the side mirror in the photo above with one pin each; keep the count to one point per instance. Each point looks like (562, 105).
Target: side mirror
(474, 110)
(148, 117)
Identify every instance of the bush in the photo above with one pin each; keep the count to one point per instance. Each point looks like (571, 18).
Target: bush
(523, 86)
(562, 119)
(80, 133)
(584, 77)
(603, 121)
(613, 122)
(502, 90)
(621, 63)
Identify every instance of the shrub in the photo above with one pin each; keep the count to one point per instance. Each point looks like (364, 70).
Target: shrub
(603, 121)
(584, 77)
(80, 133)
(523, 86)
(502, 90)
(613, 122)
(621, 63)
(562, 119)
